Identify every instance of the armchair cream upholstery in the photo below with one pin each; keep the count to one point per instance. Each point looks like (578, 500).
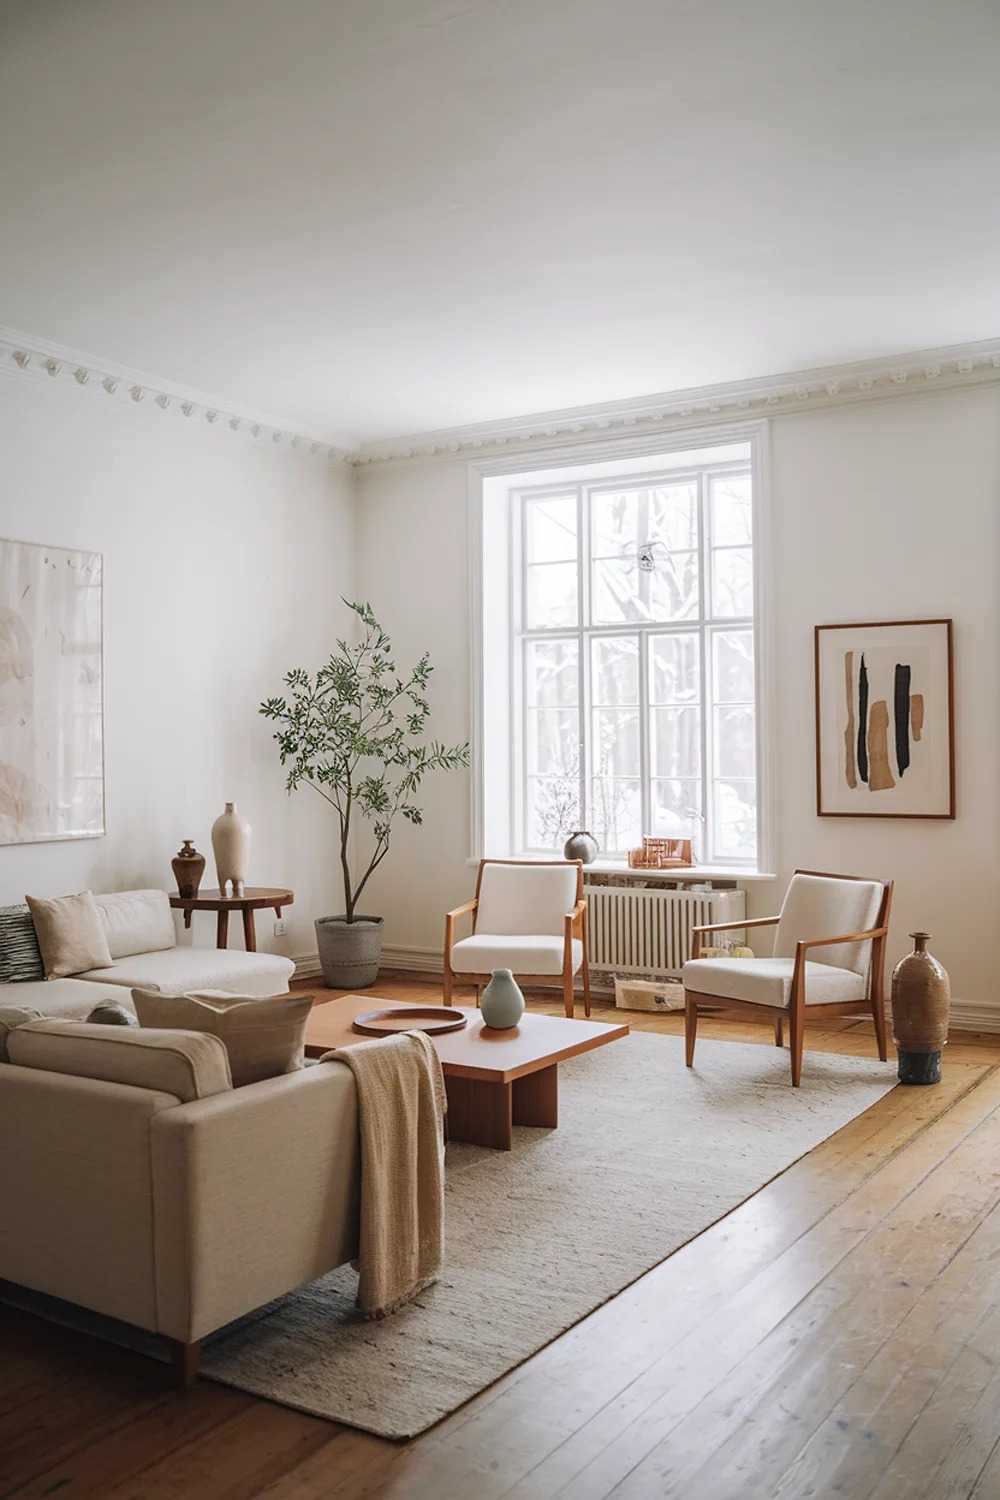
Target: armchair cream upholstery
(154, 1192)
(528, 916)
(841, 921)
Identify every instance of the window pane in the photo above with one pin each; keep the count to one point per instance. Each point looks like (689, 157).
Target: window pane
(732, 524)
(675, 739)
(615, 814)
(623, 593)
(553, 736)
(732, 581)
(551, 595)
(550, 529)
(552, 677)
(735, 745)
(735, 819)
(676, 808)
(615, 670)
(674, 675)
(732, 666)
(615, 747)
(622, 520)
(552, 810)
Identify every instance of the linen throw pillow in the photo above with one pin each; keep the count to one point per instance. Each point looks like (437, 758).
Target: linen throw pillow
(20, 959)
(264, 1038)
(70, 934)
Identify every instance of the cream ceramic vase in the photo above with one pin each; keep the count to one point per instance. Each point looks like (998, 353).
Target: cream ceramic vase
(231, 847)
(502, 1005)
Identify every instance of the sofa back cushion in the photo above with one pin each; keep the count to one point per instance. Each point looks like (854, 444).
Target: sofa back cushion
(187, 1065)
(526, 900)
(136, 922)
(817, 906)
(70, 934)
(263, 1037)
(10, 1018)
(20, 956)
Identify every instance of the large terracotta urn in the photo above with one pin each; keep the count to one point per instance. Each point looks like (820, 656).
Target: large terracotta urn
(231, 846)
(921, 1002)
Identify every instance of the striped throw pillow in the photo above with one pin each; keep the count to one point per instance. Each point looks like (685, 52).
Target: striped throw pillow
(20, 958)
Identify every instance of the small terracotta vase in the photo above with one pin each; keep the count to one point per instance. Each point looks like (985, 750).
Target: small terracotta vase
(921, 1002)
(188, 867)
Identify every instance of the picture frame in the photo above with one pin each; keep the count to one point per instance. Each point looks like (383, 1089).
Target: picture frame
(885, 719)
(52, 759)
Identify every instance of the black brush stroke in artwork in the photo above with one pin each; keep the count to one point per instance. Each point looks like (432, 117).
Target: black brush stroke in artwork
(901, 697)
(863, 722)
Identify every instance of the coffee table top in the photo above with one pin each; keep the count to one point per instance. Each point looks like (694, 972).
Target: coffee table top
(474, 1052)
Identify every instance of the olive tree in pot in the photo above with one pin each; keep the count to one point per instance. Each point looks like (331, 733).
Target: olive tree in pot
(354, 732)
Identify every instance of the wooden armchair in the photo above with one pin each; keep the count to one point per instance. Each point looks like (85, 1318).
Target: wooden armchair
(844, 916)
(529, 916)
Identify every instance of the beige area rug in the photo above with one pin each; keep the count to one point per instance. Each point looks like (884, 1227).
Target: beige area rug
(647, 1155)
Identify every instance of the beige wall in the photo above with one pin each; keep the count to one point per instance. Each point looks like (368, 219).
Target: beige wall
(879, 511)
(224, 562)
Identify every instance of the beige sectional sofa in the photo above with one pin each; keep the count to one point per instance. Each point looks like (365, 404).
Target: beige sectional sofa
(137, 1182)
(143, 943)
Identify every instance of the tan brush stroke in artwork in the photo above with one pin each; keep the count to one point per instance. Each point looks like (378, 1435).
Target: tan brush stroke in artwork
(879, 776)
(850, 733)
(917, 715)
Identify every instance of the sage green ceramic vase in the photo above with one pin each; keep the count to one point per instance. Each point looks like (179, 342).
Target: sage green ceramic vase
(502, 1005)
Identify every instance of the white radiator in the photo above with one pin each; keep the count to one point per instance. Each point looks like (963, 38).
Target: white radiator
(646, 932)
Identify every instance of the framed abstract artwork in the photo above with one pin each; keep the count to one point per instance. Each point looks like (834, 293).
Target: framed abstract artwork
(51, 694)
(885, 720)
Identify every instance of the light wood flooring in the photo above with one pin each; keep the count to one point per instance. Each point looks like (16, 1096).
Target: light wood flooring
(837, 1335)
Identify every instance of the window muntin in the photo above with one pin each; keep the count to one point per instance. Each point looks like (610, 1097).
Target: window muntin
(636, 662)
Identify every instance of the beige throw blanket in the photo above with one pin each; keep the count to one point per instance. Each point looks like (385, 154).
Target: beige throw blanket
(401, 1106)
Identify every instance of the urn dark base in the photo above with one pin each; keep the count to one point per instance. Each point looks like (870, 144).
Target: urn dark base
(919, 1067)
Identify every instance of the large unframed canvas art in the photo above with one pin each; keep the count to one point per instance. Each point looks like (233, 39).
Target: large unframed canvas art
(884, 720)
(51, 694)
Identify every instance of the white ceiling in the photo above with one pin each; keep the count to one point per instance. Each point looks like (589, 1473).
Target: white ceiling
(381, 216)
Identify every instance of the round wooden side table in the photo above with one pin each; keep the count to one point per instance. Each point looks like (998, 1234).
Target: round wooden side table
(254, 898)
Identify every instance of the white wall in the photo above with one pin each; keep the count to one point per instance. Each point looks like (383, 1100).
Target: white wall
(224, 562)
(880, 511)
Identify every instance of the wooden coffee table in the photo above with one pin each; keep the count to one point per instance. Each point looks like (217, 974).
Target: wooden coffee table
(494, 1079)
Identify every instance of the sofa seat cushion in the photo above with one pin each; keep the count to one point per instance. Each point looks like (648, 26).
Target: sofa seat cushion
(73, 999)
(136, 922)
(186, 1064)
(768, 981)
(264, 1037)
(529, 954)
(177, 971)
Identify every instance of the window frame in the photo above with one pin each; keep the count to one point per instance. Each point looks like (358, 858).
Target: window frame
(490, 482)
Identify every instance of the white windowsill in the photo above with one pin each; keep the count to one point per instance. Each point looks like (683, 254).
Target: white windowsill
(688, 873)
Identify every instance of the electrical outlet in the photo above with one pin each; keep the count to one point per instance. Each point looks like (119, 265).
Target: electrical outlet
(280, 927)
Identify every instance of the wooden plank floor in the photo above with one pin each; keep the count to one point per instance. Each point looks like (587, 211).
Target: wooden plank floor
(835, 1335)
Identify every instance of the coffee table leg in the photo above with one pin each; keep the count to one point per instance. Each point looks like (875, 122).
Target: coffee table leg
(479, 1113)
(536, 1098)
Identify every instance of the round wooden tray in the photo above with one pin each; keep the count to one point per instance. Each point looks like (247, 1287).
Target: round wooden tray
(430, 1018)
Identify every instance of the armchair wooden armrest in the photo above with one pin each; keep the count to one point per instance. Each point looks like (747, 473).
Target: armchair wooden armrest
(847, 937)
(460, 911)
(696, 932)
(575, 916)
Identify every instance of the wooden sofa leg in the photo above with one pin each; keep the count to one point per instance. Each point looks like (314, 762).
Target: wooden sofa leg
(185, 1359)
(690, 1030)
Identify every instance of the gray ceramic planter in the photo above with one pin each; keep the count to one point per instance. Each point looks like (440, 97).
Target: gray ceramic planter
(349, 952)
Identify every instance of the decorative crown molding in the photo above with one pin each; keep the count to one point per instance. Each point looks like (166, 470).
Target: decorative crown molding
(912, 374)
(25, 356)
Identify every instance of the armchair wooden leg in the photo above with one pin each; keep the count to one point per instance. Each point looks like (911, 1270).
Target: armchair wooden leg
(586, 968)
(878, 1016)
(568, 992)
(185, 1359)
(690, 1030)
(796, 1039)
(447, 982)
(779, 1033)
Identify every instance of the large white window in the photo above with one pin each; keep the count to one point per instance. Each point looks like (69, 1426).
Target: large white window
(630, 624)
